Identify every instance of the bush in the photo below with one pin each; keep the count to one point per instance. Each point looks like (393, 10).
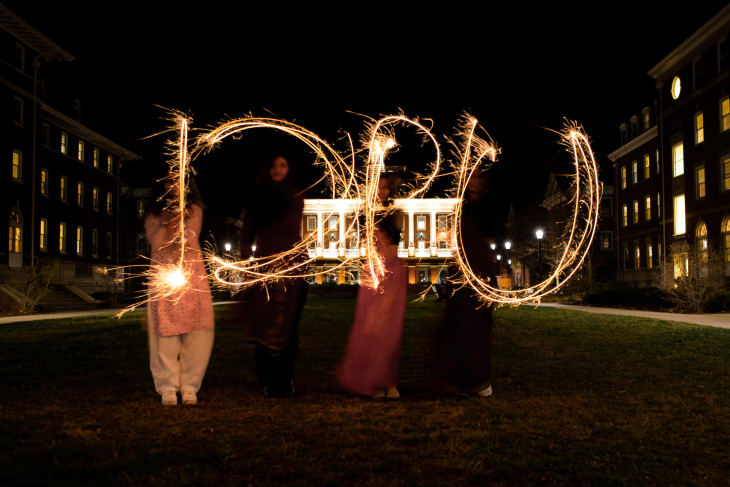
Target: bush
(634, 297)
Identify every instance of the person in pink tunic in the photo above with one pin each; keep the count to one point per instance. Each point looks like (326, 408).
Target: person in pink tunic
(180, 327)
(370, 363)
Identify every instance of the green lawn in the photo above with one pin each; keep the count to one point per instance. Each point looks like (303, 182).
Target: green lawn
(579, 399)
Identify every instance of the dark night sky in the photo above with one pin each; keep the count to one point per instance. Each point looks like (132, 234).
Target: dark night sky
(515, 69)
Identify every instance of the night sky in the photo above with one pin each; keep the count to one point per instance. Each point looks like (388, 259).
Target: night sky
(517, 70)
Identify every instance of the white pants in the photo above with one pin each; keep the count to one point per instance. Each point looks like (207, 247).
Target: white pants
(179, 362)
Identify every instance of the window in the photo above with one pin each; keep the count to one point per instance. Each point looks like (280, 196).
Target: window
(109, 164)
(699, 128)
(333, 224)
(647, 166)
(606, 240)
(637, 257)
(626, 257)
(647, 208)
(81, 150)
(676, 87)
(636, 212)
(79, 240)
(95, 198)
(606, 208)
(420, 222)
(725, 114)
(647, 121)
(140, 213)
(80, 193)
(726, 174)
(17, 171)
(43, 235)
(44, 182)
(45, 134)
(700, 182)
(680, 224)
(681, 265)
(658, 205)
(108, 203)
(634, 172)
(109, 245)
(658, 166)
(95, 243)
(623, 177)
(702, 249)
(96, 158)
(678, 159)
(15, 239)
(20, 56)
(649, 256)
(143, 246)
(63, 188)
(64, 143)
(625, 215)
(62, 237)
(725, 230)
(19, 111)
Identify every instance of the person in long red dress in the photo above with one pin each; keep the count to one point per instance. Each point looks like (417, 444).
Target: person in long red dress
(370, 363)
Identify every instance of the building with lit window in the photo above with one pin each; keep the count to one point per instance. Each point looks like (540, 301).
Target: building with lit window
(427, 239)
(60, 187)
(673, 167)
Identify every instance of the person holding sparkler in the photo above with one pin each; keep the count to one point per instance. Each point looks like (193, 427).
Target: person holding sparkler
(461, 359)
(272, 225)
(180, 319)
(370, 363)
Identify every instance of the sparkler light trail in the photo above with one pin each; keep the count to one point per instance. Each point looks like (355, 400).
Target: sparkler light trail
(473, 152)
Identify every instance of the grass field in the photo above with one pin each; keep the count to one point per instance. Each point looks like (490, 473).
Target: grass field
(578, 399)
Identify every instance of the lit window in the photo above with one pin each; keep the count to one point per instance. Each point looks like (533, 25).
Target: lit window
(647, 166)
(15, 241)
(625, 215)
(79, 240)
(681, 265)
(636, 211)
(649, 256)
(680, 224)
(333, 224)
(80, 193)
(64, 143)
(637, 257)
(81, 151)
(647, 121)
(421, 222)
(62, 237)
(109, 164)
(634, 172)
(647, 208)
(44, 182)
(17, 171)
(726, 173)
(623, 177)
(699, 128)
(702, 249)
(43, 235)
(678, 159)
(658, 166)
(95, 198)
(658, 205)
(95, 243)
(725, 229)
(108, 203)
(700, 181)
(676, 87)
(96, 158)
(63, 187)
(606, 241)
(725, 114)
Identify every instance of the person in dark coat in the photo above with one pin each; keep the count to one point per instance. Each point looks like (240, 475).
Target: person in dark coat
(461, 359)
(271, 225)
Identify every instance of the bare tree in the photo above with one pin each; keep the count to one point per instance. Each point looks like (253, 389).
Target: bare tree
(34, 284)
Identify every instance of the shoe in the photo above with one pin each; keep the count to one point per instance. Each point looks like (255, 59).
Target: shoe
(169, 398)
(486, 392)
(392, 393)
(379, 394)
(189, 398)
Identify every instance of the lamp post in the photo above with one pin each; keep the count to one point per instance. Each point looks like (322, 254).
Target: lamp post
(507, 246)
(538, 234)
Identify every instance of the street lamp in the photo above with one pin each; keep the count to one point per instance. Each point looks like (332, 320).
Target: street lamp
(538, 234)
(507, 246)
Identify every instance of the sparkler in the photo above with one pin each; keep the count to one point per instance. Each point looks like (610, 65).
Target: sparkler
(473, 152)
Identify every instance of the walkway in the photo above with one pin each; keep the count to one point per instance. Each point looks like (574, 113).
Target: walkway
(720, 320)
